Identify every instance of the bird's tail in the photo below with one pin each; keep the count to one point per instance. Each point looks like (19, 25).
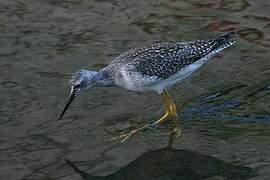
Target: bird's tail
(230, 36)
(226, 40)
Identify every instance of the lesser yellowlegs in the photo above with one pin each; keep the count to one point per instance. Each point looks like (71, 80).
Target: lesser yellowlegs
(151, 68)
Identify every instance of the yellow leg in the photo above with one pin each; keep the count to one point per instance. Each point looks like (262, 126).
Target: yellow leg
(167, 109)
(170, 112)
(127, 135)
(171, 103)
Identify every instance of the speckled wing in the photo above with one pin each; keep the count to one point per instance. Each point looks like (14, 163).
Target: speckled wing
(166, 59)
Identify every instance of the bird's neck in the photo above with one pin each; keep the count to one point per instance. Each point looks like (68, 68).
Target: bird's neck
(101, 79)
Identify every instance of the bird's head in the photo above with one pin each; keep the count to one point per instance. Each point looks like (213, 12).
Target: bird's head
(80, 81)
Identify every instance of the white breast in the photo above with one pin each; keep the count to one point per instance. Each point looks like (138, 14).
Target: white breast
(130, 79)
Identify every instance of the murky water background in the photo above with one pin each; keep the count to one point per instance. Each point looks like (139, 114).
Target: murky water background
(225, 105)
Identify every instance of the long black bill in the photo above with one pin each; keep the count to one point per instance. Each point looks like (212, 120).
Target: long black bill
(69, 101)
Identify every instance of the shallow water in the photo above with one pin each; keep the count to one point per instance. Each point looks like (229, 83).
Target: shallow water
(225, 106)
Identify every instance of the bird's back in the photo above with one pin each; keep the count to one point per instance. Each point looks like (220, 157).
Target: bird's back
(165, 59)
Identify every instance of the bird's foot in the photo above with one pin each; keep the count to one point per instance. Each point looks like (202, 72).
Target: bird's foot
(175, 131)
(175, 120)
(177, 126)
(125, 136)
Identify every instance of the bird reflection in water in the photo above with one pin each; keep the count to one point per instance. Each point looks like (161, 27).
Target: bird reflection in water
(173, 164)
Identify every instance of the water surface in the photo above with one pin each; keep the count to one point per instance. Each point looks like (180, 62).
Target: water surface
(225, 106)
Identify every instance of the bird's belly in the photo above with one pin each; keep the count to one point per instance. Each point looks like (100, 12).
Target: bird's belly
(134, 81)
(137, 82)
(180, 75)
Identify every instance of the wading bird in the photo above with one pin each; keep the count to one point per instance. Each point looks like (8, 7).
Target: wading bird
(151, 68)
